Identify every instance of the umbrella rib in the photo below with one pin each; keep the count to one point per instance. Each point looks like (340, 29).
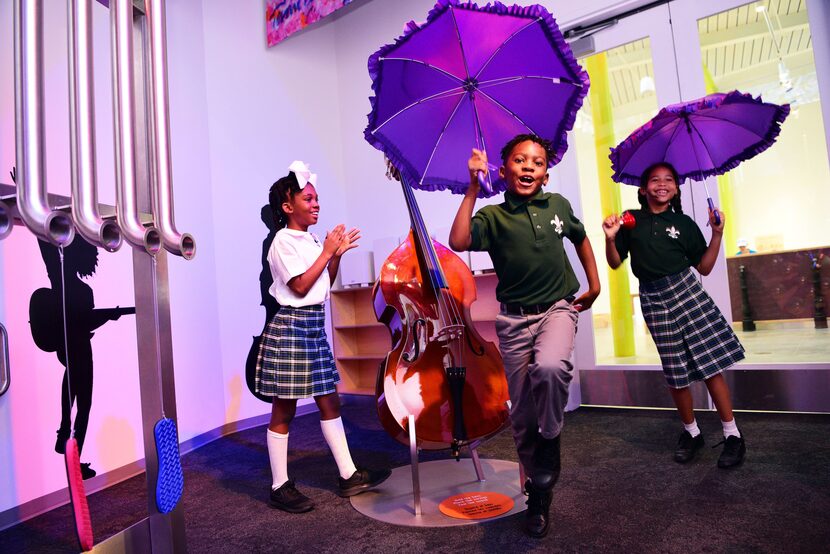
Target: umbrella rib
(502, 45)
(479, 133)
(642, 142)
(669, 143)
(503, 107)
(427, 65)
(705, 147)
(505, 80)
(460, 46)
(437, 95)
(440, 136)
(731, 123)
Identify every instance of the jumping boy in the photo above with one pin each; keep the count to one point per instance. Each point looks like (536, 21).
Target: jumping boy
(536, 326)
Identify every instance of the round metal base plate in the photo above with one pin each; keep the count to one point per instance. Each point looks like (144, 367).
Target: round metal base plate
(392, 501)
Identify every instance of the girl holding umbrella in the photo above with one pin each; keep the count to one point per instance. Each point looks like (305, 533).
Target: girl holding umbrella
(690, 140)
(693, 338)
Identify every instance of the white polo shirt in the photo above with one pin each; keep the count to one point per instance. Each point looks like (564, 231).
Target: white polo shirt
(292, 253)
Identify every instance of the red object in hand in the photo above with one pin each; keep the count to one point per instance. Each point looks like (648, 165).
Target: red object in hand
(628, 220)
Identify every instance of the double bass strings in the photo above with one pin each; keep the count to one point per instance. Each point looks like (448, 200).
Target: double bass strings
(448, 312)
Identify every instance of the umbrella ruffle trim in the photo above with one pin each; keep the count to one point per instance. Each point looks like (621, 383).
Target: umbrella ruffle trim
(707, 102)
(559, 143)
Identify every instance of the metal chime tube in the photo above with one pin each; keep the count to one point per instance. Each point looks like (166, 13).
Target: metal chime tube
(121, 20)
(49, 225)
(82, 132)
(181, 244)
(6, 222)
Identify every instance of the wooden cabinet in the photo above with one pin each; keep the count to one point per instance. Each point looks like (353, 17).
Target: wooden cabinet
(360, 343)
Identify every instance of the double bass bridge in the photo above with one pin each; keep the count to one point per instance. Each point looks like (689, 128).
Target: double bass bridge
(450, 333)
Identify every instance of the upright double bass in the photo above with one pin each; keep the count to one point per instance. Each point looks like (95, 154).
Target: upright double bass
(440, 370)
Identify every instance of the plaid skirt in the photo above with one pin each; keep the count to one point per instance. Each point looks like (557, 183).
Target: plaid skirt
(693, 338)
(295, 359)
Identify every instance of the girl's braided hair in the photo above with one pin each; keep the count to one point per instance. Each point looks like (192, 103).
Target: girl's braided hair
(283, 190)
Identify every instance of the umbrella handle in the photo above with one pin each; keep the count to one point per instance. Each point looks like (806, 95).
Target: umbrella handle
(482, 182)
(714, 211)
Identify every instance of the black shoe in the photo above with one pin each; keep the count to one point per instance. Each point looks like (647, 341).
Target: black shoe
(361, 480)
(734, 449)
(546, 462)
(537, 518)
(687, 447)
(289, 499)
(87, 472)
(60, 443)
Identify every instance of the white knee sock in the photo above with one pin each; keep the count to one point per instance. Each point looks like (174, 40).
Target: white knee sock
(730, 429)
(336, 437)
(278, 456)
(692, 428)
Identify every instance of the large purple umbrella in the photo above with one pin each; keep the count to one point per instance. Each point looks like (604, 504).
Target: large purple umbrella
(701, 138)
(471, 77)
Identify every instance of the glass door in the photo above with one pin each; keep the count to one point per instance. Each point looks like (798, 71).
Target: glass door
(773, 281)
(633, 73)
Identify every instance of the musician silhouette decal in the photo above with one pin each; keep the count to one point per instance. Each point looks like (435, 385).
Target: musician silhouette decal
(82, 319)
(266, 300)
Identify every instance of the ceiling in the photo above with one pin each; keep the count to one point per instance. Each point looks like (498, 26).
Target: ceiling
(739, 51)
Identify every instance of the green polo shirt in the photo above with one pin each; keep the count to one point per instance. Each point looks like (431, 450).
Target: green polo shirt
(660, 244)
(525, 241)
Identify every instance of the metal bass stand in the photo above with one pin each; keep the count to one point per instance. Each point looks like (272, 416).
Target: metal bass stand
(411, 495)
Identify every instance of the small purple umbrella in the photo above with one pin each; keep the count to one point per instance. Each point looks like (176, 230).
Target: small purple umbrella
(701, 138)
(469, 77)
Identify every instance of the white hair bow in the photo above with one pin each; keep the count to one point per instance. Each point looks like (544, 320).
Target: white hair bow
(303, 173)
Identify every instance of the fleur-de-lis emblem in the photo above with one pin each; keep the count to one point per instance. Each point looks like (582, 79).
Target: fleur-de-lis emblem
(557, 224)
(673, 233)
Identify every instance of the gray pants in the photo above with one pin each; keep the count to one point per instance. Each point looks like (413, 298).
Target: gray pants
(537, 350)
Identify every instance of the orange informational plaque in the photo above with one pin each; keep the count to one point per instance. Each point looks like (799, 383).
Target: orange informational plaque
(476, 505)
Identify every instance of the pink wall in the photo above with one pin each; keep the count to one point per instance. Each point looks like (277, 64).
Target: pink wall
(30, 411)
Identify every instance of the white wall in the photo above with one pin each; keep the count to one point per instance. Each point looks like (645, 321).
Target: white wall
(201, 391)
(266, 108)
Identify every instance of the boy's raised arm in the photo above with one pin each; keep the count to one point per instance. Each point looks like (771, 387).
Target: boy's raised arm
(460, 238)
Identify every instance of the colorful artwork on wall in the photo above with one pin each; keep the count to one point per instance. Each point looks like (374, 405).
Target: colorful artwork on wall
(285, 17)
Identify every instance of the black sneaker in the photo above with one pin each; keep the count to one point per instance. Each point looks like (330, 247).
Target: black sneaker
(289, 499)
(537, 518)
(87, 472)
(734, 449)
(361, 480)
(687, 447)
